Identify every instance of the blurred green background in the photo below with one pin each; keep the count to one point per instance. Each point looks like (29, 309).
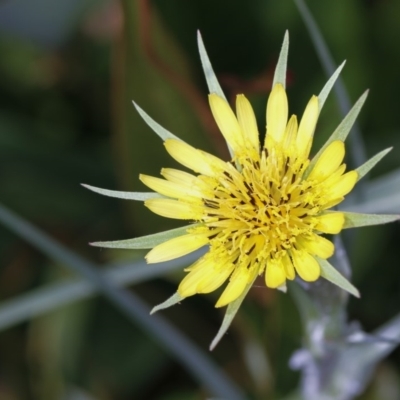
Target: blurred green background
(68, 72)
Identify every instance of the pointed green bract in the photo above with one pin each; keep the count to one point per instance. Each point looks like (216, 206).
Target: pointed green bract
(176, 298)
(280, 70)
(282, 288)
(145, 242)
(231, 311)
(139, 196)
(328, 86)
(341, 131)
(367, 166)
(354, 220)
(345, 126)
(163, 133)
(212, 81)
(331, 274)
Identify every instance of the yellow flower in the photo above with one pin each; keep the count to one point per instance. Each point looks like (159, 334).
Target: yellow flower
(260, 213)
(265, 211)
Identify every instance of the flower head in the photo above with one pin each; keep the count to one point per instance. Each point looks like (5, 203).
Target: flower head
(263, 212)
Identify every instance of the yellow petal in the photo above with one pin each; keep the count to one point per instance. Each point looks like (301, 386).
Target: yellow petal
(235, 288)
(188, 285)
(277, 113)
(290, 132)
(344, 185)
(174, 209)
(176, 247)
(216, 163)
(169, 189)
(331, 203)
(329, 161)
(306, 265)
(226, 121)
(197, 160)
(288, 265)
(178, 176)
(307, 125)
(275, 275)
(330, 222)
(215, 278)
(317, 246)
(333, 178)
(196, 184)
(247, 121)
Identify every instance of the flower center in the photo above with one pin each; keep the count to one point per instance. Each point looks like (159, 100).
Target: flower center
(258, 213)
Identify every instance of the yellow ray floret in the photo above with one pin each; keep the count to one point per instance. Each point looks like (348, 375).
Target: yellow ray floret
(176, 247)
(239, 280)
(330, 222)
(307, 126)
(247, 122)
(306, 265)
(275, 274)
(277, 113)
(227, 122)
(329, 161)
(173, 208)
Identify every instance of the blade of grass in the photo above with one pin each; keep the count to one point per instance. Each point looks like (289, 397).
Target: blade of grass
(200, 365)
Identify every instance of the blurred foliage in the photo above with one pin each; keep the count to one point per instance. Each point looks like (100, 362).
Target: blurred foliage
(66, 117)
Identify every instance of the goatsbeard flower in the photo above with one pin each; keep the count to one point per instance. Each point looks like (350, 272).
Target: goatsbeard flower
(264, 212)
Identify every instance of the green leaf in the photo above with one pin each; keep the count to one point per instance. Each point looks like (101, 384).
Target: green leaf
(280, 69)
(331, 274)
(176, 298)
(345, 126)
(163, 133)
(341, 131)
(328, 86)
(140, 196)
(368, 165)
(212, 81)
(354, 220)
(145, 242)
(231, 311)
